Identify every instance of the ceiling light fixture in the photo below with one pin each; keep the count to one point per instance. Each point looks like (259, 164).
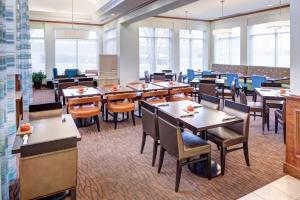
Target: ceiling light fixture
(222, 31)
(281, 24)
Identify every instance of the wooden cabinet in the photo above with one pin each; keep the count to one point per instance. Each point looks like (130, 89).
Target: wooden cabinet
(292, 160)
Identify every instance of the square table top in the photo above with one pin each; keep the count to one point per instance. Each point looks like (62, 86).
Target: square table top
(120, 89)
(50, 133)
(267, 92)
(147, 87)
(206, 118)
(218, 81)
(89, 91)
(167, 85)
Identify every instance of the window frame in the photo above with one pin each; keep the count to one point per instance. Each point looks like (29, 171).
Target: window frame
(112, 39)
(44, 41)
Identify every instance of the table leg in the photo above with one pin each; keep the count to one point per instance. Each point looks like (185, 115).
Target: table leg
(246, 86)
(263, 114)
(223, 97)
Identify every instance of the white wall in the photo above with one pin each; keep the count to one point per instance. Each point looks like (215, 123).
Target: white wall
(50, 40)
(295, 47)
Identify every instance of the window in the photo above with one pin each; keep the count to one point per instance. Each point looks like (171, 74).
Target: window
(110, 41)
(155, 49)
(227, 46)
(76, 50)
(37, 42)
(191, 49)
(270, 44)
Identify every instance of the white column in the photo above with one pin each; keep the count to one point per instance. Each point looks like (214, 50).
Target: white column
(295, 46)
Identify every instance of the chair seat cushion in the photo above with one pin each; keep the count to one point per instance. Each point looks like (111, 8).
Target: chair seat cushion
(190, 140)
(121, 107)
(84, 111)
(225, 136)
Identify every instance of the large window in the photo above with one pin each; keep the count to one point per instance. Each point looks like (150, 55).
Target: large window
(78, 51)
(191, 49)
(269, 44)
(227, 46)
(37, 42)
(110, 41)
(155, 49)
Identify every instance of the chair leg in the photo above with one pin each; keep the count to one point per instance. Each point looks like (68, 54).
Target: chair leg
(208, 166)
(268, 121)
(73, 194)
(106, 114)
(123, 116)
(116, 119)
(178, 175)
(155, 145)
(276, 124)
(161, 159)
(133, 117)
(96, 119)
(223, 157)
(143, 142)
(246, 153)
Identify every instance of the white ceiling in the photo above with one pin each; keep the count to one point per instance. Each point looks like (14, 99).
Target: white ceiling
(212, 9)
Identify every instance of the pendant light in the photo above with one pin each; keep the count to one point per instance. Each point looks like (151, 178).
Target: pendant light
(281, 24)
(222, 31)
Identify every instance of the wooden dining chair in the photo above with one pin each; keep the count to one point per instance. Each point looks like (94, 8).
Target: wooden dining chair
(256, 107)
(228, 93)
(181, 94)
(280, 118)
(186, 147)
(210, 102)
(234, 134)
(153, 97)
(61, 86)
(207, 89)
(89, 82)
(159, 77)
(84, 108)
(121, 103)
(150, 128)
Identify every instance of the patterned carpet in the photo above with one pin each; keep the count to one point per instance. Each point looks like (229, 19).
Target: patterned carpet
(111, 167)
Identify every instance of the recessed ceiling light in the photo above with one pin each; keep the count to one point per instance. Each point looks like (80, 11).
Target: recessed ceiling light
(270, 5)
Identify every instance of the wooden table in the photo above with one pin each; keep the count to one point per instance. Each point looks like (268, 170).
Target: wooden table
(206, 118)
(19, 107)
(50, 154)
(269, 94)
(119, 90)
(147, 87)
(167, 85)
(73, 93)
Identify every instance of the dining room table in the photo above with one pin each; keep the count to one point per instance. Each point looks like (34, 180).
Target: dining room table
(268, 93)
(198, 121)
(170, 84)
(144, 87)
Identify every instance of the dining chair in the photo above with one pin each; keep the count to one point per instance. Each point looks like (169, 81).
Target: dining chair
(231, 77)
(228, 93)
(207, 88)
(89, 82)
(257, 81)
(153, 97)
(159, 77)
(150, 128)
(85, 108)
(186, 147)
(181, 94)
(61, 86)
(168, 74)
(54, 72)
(47, 110)
(180, 78)
(256, 107)
(121, 103)
(147, 77)
(234, 134)
(280, 118)
(212, 102)
(190, 74)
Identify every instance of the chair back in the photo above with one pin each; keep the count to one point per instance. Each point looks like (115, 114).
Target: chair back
(241, 111)
(243, 98)
(206, 73)
(160, 93)
(207, 89)
(210, 102)
(54, 72)
(149, 120)
(120, 97)
(84, 100)
(64, 85)
(168, 135)
(42, 111)
(180, 77)
(147, 77)
(186, 91)
(190, 74)
(159, 76)
(257, 81)
(271, 85)
(232, 77)
(70, 73)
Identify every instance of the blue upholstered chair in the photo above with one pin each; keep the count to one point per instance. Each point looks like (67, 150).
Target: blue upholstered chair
(257, 81)
(70, 73)
(206, 73)
(231, 77)
(54, 72)
(190, 74)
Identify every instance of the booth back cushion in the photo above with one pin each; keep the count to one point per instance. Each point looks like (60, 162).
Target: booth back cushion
(229, 68)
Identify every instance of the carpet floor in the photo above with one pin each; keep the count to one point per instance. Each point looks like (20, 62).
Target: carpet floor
(110, 165)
